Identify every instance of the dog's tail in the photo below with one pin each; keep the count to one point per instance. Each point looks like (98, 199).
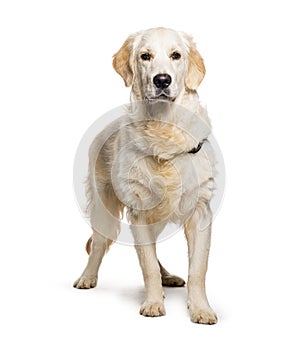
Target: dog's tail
(89, 243)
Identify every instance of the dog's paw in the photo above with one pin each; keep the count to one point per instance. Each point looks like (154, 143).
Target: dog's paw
(172, 281)
(152, 309)
(85, 282)
(203, 315)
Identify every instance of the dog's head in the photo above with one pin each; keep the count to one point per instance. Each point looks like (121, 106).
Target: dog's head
(159, 64)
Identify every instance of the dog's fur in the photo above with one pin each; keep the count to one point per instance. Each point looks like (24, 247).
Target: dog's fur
(142, 163)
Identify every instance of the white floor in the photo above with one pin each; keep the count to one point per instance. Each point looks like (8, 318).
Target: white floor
(40, 305)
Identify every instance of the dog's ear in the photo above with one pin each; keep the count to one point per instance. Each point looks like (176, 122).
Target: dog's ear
(195, 67)
(122, 61)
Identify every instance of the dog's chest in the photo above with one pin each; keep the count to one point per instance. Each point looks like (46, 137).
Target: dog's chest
(161, 190)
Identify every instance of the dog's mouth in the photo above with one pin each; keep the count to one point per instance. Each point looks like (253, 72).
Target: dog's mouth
(165, 97)
(162, 96)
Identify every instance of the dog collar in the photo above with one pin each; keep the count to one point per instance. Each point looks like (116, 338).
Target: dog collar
(196, 149)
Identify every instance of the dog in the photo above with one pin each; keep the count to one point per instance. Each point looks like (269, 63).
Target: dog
(154, 165)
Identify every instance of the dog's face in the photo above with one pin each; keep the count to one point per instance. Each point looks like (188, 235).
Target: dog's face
(159, 64)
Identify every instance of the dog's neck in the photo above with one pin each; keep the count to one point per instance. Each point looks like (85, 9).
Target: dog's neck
(187, 98)
(171, 128)
(168, 111)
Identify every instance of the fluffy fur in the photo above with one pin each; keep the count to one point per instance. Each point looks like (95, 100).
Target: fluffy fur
(141, 162)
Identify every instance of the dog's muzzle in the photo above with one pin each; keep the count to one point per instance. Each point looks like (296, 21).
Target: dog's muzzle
(162, 81)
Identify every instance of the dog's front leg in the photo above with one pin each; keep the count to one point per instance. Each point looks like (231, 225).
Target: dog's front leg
(153, 305)
(198, 239)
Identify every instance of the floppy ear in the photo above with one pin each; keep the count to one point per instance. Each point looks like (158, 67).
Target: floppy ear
(122, 61)
(195, 68)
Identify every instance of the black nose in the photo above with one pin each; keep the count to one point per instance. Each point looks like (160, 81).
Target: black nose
(162, 80)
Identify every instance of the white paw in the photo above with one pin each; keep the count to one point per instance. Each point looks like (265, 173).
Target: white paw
(152, 309)
(85, 282)
(202, 315)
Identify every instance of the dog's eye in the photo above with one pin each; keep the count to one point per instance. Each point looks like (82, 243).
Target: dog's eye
(146, 57)
(175, 55)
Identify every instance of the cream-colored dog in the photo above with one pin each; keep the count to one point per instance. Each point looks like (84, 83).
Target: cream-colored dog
(154, 164)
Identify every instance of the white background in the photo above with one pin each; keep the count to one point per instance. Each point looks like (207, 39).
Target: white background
(56, 79)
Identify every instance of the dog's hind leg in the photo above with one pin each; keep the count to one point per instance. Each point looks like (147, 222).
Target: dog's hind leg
(104, 217)
(169, 280)
(96, 247)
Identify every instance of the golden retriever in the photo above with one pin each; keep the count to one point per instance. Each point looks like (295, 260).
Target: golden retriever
(154, 165)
